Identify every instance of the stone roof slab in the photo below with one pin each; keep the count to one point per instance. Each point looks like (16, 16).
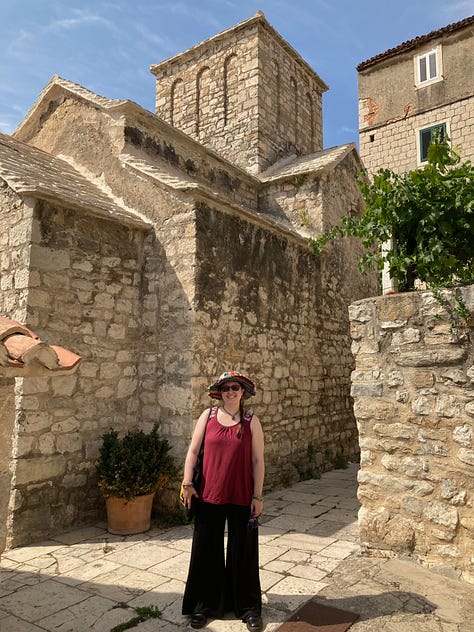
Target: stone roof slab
(32, 172)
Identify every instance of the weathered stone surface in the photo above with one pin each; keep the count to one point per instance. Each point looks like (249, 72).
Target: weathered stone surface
(441, 514)
(431, 357)
(417, 440)
(466, 456)
(39, 469)
(463, 435)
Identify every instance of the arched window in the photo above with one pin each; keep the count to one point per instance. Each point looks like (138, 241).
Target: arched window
(177, 102)
(202, 99)
(276, 73)
(294, 91)
(230, 87)
(310, 108)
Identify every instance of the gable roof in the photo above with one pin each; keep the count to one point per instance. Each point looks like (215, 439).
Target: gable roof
(317, 163)
(417, 41)
(33, 172)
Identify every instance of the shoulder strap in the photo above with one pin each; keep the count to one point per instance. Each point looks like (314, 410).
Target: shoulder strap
(201, 450)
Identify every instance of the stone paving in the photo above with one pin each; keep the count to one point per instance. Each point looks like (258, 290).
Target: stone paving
(90, 580)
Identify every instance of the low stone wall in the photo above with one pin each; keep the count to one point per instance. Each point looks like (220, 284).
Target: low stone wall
(414, 405)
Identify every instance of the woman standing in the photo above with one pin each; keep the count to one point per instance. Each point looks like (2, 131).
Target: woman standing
(231, 490)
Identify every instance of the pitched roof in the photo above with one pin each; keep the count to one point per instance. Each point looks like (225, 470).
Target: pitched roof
(319, 162)
(33, 172)
(23, 354)
(258, 19)
(417, 41)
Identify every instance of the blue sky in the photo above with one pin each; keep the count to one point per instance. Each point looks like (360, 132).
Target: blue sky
(108, 45)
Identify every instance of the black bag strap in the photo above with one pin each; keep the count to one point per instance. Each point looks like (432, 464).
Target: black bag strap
(201, 449)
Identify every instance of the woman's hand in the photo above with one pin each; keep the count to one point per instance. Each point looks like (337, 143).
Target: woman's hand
(186, 494)
(257, 507)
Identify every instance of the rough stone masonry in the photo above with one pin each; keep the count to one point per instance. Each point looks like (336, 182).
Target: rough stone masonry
(413, 389)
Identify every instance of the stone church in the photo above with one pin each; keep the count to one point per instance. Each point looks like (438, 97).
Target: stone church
(164, 248)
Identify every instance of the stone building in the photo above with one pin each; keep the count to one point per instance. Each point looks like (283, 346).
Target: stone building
(410, 91)
(414, 366)
(165, 248)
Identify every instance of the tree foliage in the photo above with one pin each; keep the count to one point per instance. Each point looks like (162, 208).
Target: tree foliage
(428, 214)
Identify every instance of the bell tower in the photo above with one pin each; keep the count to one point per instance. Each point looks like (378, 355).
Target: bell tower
(245, 93)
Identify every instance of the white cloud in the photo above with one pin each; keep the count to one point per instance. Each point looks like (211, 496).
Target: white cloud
(458, 10)
(28, 37)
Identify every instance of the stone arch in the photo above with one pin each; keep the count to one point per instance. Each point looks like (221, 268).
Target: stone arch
(276, 73)
(230, 86)
(294, 95)
(202, 99)
(310, 108)
(177, 102)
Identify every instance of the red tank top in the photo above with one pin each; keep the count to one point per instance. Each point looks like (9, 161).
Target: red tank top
(227, 465)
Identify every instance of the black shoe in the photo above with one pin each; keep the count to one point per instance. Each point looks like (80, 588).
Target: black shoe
(198, 620)
(254, 623)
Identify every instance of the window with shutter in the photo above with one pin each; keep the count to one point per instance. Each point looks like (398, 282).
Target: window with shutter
(428, 67)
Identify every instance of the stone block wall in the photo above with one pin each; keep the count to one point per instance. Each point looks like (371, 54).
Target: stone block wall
(7, 416)
(274, 319)
(87, 282)
(207, 98)
(16, 221)
(413, 390)
(394, 145)
(290, 104)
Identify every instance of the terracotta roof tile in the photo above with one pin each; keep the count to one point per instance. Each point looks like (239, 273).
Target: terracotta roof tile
(66, 359)
(415, 42)
(23, 354)
(9, 327)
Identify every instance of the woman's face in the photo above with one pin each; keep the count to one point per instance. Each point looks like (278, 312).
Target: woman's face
(231, 392)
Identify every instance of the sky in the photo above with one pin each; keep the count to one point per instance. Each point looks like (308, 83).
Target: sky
(108, 46)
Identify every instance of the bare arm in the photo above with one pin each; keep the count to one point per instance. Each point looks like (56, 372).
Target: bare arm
(258, 465)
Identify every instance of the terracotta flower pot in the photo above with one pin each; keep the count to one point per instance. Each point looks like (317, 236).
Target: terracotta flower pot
(125, 517)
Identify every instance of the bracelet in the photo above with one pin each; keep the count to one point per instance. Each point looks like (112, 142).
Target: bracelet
(184, 485)
(255, 497)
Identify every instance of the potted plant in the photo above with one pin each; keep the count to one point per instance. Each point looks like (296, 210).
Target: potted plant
(130, 470)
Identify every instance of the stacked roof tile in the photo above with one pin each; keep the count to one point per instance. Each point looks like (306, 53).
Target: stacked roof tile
(23, 354)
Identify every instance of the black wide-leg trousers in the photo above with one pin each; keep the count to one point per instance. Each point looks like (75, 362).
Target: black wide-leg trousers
(219, 583)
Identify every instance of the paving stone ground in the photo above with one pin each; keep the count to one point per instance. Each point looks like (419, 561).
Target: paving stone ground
(89, 580)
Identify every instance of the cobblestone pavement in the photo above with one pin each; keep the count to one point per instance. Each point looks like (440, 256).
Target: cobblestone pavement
(90, 580)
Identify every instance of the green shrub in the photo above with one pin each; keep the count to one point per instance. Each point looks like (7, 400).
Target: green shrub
(135, 464)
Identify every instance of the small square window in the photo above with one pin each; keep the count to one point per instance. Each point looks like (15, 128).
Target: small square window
(428, 67)
(427, 135)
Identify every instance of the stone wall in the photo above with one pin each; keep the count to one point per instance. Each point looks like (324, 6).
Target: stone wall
(290, 104)
(414, 404)
(7, 416)
(394, 145)
(87, 291)
(16, 222)
(274, 318)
